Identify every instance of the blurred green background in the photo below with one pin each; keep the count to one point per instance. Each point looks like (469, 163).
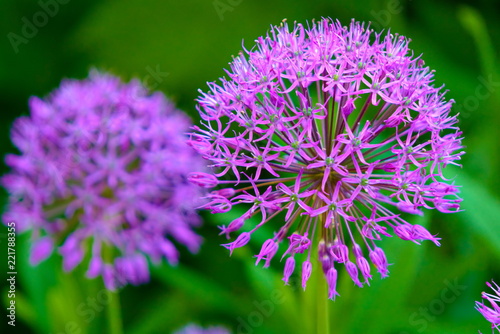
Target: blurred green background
(187, 43)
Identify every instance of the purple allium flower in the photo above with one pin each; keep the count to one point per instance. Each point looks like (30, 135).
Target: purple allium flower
(103, 172)
(195, 329)
(492, 314)
(335, 131)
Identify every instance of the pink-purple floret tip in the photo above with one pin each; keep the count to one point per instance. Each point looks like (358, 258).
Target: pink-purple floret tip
(491, 312)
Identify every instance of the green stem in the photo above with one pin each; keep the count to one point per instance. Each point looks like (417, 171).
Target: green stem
(113, 311)
(322, 302)
(113, 308)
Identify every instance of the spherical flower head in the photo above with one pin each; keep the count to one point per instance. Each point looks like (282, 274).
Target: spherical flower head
(336, 131)
(195, 329)
(491, 312)
(103, 173)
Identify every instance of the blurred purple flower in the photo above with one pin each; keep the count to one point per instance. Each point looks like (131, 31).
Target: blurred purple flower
(195, 329)
(332, 126)
(492, 313)
(104, 169)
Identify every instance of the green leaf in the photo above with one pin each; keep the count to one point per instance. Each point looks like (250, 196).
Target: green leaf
(273, 300)
(474, 23)
(481, 212)
(202, 288)
(390, 293)
(161, 313)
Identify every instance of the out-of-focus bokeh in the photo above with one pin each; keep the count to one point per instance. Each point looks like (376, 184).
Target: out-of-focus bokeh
(176, 47)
